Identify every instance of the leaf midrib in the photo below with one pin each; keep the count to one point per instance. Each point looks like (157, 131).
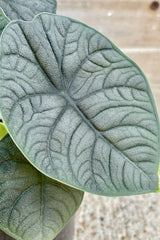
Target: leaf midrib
(65, 96)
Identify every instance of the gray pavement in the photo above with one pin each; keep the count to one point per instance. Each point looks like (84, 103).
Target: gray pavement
(120, 218)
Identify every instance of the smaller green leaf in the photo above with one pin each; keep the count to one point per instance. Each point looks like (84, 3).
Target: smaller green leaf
(3, 131)
(26, 10)
(4, 20)
(32, 206)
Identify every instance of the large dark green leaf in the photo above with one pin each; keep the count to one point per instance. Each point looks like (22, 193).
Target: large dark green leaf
(3, 20)
(78, 108)
(32, 206)
(27, 9)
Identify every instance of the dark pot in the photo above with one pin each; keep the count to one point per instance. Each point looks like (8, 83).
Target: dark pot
(66, 234)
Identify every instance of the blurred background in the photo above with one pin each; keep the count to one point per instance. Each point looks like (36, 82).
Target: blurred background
(134, 26)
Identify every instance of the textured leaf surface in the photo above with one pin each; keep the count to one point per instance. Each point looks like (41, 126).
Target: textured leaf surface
(80, 110)
(32, 206)
(26, 10)
(3, 20)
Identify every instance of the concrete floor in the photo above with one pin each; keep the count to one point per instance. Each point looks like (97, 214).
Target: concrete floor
(121, 218)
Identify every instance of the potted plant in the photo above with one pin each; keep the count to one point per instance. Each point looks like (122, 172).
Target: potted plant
(80, 116)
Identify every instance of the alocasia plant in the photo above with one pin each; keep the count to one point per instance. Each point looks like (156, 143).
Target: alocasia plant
(80, 111)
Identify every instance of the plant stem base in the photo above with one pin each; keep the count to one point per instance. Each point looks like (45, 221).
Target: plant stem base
(4, 236)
